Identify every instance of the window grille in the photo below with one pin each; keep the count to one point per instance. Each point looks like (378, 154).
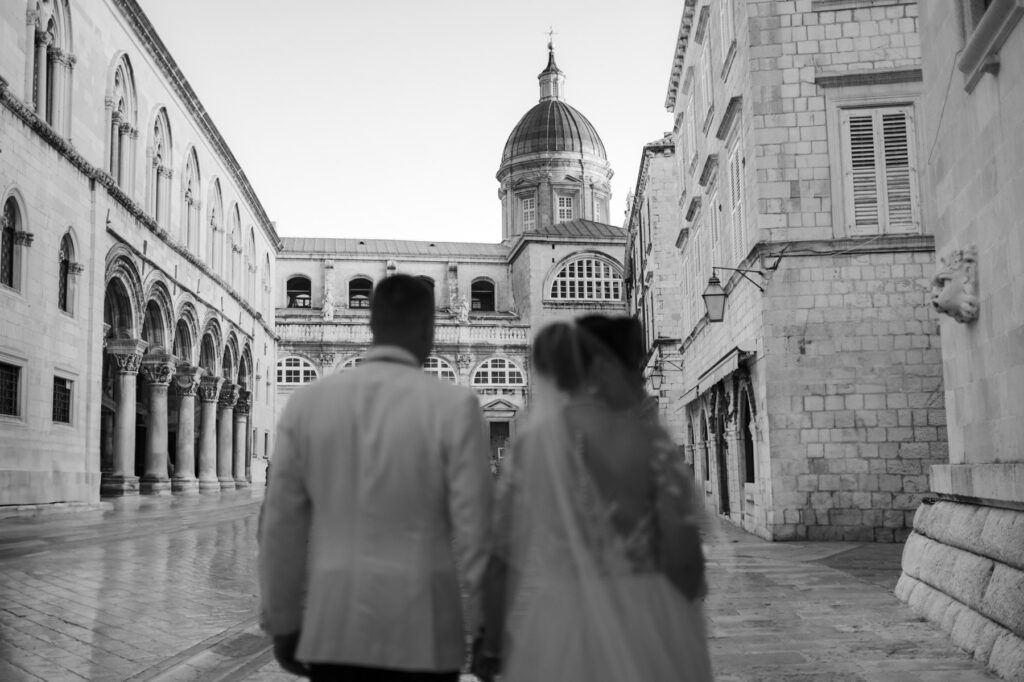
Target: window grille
(9, 226)
(62, 400)
(565, 209)
(498, 372)
(10, 376)
(529, 213)
(588, 279)
(295, 370)
(440, 368)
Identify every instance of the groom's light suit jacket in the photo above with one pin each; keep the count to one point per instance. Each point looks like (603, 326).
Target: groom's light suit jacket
(377, 468)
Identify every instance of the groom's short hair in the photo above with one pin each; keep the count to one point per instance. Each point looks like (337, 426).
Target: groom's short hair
(399, 302)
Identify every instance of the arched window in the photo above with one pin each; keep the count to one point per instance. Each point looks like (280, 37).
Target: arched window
(235, 254)
(266, 282)
(159, 176)
(66, 273)
(588, 278)
(295, 370)
(122, 115)
(190, 206)
(50, 63)
(351, 363)
(482, 295)
(359, 290)
(299, 292)
(250, 266)
(11, 240)
(498, 372)
(440, 368)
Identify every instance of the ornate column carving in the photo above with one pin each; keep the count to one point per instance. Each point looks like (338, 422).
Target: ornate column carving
(31, 17)
(327, 307)
(186, 383)
(127, 356)
(123, 147)
(209, 392)
(158, 369)
(225, 435)
(241, 416)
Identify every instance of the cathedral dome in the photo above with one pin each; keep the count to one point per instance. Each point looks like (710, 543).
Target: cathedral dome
(553, 126)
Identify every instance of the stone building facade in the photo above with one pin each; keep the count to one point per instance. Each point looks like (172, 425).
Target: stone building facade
(814, 408)
(136, 268)
(557, 259)
(963, 567)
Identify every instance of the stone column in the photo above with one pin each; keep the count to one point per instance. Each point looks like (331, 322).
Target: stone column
(42, 43)
(241, 437)
(123, 148)
(30, 37)
(186, 381)
(209, 391)
(127, 353)
(225, 449)
(158, 369)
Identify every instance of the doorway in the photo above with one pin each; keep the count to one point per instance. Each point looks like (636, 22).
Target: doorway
(499, 435)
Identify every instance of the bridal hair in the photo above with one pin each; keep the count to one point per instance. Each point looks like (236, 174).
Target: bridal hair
(578, 362)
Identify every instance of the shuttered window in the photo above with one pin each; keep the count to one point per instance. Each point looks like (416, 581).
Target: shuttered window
(738, 236)
(879, 171)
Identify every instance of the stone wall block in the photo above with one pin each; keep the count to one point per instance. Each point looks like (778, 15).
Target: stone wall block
(1004, 598)
(960, 574)
(1007, 658)
(1002, 537)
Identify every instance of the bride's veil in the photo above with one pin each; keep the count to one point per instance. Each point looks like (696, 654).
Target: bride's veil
(583, 576)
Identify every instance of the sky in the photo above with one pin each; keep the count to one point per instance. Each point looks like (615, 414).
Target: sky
(387, 118)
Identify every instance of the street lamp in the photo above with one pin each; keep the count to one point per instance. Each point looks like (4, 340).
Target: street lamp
(714, 296)
(714, 299)
(657, 377)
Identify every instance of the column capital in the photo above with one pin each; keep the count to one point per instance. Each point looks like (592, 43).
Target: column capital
(75, 269)
(228, 396)
(244, 403)
(326, 360)
(125, 127)
(209, 388)
(186, 379)
(127, 353)
(24, 238)
(31, 16)
(43, 37)
(158, 367)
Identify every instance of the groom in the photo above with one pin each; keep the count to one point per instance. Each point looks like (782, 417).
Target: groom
(376, 469)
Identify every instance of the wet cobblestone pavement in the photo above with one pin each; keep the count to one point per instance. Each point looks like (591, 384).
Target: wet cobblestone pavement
(165, 589)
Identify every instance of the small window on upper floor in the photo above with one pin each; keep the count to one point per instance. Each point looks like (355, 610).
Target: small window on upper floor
(13, 241)
(879, 170)
(299, 292)
(359, 290)
(62, 395)
(295, 370)
(482, 295)
(10, 390)
(67, 269)
(528, 207)
(565, 208)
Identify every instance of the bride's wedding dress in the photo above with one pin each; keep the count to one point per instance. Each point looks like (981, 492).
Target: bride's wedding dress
(594, 512)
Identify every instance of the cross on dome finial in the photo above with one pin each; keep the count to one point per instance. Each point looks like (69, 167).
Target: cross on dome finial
(551, 38)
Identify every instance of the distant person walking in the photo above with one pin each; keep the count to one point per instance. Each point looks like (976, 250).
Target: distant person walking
(376, 470)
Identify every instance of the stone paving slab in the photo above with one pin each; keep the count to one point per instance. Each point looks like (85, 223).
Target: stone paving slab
(165, 589)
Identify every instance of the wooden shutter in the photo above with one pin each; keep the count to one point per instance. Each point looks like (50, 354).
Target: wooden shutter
(738, 236)
(879, 173)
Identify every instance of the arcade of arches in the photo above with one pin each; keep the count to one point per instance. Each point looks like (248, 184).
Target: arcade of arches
(156, 438)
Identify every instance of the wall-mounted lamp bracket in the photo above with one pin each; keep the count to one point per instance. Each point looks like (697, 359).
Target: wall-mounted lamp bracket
(744, 274)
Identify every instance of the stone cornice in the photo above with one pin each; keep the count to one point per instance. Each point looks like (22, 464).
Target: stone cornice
(533, 238)
(144, 30)
(650, 149)
(682, 40)
(826, 79)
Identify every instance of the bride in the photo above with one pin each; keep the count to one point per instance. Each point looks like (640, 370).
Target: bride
(597, 571)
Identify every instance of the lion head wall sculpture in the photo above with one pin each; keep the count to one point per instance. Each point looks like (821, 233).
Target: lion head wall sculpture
(955, 285)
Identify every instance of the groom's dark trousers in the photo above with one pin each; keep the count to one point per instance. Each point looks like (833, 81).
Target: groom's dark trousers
(354, 673)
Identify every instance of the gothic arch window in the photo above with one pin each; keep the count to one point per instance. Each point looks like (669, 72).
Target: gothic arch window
(359, 290)
(190, 202)
(13, 241)
(440, 368)
(481, 293)
(295, 370)
(67, 273)
(498, 373)
(300, 292)
(122, 119)
(351, 363)
(159, 174)
(234, 255)
(587, 278)
(250, 267)
(266, 282)
(50, 64)
(214, 235)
